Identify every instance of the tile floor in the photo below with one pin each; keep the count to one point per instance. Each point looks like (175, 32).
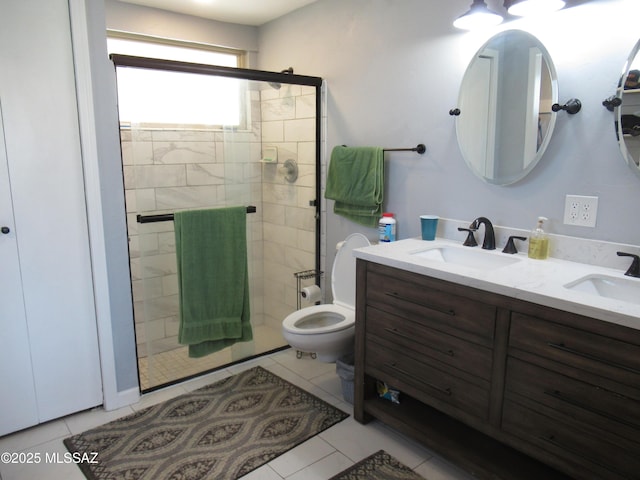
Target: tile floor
(319, 458)
(175, 363)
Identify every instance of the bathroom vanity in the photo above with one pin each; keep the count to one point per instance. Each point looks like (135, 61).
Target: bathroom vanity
(503, 371)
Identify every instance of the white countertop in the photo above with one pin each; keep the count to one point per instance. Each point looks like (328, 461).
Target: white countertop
(537, 281)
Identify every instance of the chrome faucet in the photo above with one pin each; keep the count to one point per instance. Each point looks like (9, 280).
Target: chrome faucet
(489, 242)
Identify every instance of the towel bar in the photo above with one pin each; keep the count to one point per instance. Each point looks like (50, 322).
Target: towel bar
(166, 217)
(420, 148)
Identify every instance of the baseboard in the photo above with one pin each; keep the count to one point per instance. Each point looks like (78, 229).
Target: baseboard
(122, 399)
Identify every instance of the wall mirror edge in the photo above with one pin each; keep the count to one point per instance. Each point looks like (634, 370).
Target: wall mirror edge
(627, 111)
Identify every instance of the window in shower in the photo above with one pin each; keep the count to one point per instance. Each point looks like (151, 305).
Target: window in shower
(198, 100)
(185, 163)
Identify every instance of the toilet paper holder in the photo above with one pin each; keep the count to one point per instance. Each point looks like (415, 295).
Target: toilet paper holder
(305, 275)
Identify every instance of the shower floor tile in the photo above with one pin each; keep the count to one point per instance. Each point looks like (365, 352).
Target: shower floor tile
(172, 365)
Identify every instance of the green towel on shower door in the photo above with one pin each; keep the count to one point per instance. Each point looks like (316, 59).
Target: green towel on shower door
(211, 250)
(355, 180)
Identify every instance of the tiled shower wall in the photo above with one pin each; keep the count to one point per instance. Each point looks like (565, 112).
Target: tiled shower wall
(168, 170)
(288, 123)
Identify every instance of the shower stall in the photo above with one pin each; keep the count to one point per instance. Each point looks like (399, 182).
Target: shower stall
(249, 138)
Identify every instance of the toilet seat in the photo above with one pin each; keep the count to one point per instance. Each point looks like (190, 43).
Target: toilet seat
(336, 318)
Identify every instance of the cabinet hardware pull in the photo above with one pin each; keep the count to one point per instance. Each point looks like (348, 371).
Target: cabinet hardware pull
(446, 391)
(450, 311)
(552, 440)
(563, 398)
(394, 331)
(562, 347)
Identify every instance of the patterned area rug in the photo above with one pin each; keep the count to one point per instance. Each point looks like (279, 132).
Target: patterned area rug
(379, 466)
(221, 431)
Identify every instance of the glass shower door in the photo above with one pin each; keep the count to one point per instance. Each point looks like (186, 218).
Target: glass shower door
(175, 166)
(185, 173)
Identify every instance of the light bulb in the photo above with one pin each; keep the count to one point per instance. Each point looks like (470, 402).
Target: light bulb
(524, 8)
(478, 16)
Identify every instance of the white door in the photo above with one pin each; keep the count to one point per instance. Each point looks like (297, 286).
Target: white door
(18, 396)
(44, 162)
(479, 113)
(534, 91)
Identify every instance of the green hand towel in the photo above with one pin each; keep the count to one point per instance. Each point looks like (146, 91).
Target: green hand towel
(211, 249)
(355, 180)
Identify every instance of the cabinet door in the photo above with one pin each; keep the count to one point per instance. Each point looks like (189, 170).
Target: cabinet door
(18, 396)
(43, 155)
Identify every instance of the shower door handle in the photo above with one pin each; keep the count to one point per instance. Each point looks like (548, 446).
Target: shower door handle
(5, 230)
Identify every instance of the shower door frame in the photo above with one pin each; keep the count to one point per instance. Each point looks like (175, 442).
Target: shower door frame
(254, 75)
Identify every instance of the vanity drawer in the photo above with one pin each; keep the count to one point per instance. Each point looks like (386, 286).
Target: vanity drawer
(418, 336)
(611, 409)
(585, 449)
(608, 357)
(429, 382)
(414, 296)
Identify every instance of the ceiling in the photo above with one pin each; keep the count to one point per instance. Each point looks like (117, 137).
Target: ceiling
(244, 12)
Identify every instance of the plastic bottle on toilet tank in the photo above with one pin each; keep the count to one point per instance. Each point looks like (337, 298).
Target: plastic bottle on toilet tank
(387, 228)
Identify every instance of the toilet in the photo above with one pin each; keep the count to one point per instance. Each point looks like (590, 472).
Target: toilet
(328, 330)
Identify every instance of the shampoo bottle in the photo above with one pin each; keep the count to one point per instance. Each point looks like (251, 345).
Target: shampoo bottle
(539, 242)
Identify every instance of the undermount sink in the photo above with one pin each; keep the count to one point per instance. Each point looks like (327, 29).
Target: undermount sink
(468, 257)
(618, 288)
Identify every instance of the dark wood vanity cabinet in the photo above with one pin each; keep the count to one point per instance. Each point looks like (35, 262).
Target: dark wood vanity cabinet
(573, 389)
(506, 389)
(435, 344)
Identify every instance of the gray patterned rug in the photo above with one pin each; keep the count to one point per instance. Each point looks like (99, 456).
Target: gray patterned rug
(379, 466)
(221, 431)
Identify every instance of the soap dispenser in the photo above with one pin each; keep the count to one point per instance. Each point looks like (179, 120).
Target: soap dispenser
(539, 241)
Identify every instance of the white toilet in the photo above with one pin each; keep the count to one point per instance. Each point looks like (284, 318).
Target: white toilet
(328, 330)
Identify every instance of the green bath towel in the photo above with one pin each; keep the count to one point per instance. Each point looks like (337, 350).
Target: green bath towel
(355, 181)
(211, 249)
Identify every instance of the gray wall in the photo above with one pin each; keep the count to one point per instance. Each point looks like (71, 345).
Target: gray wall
(127, 17)
(111, 204)
(393, 69)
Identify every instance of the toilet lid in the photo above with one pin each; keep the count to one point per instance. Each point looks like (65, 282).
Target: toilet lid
(343, 273)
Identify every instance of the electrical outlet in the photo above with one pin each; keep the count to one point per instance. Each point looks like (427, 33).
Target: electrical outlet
(580, 210)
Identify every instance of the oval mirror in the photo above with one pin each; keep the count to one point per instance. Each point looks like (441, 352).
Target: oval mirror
(505, 121)
(628, 113)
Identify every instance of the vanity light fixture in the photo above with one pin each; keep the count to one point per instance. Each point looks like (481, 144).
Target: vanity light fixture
(478, 16)
(521, 8)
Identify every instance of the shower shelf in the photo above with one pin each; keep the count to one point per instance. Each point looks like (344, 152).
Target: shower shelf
(308, 274)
